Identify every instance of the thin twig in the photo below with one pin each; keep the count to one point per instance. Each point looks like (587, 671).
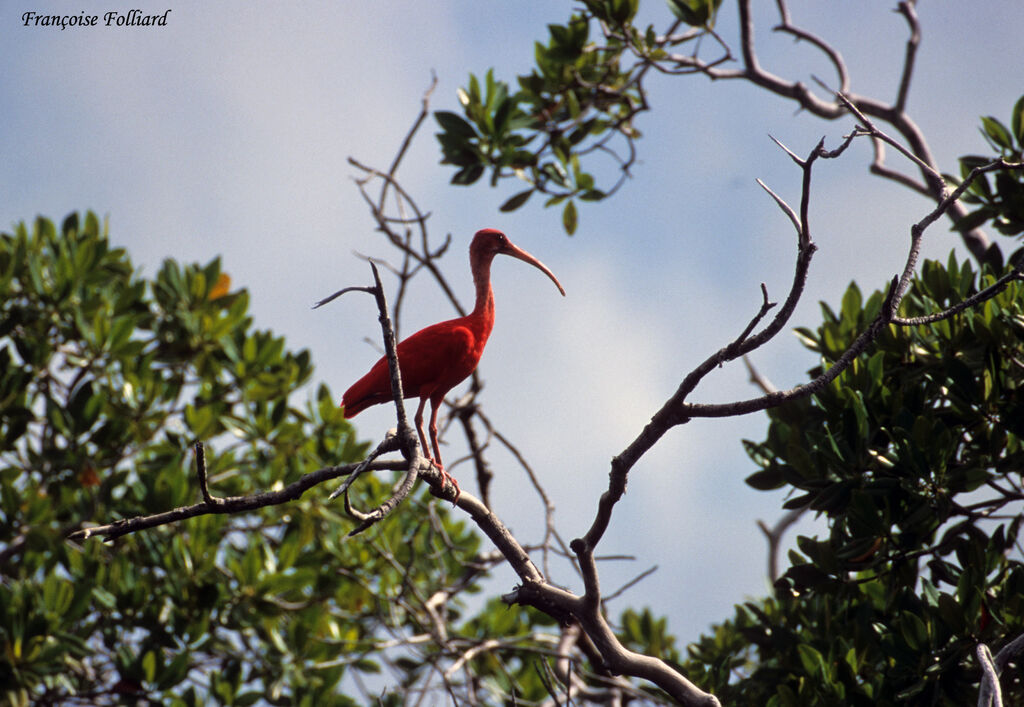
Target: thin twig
(981, 296)
(339, 293)
(631, 583)
(201, 473)
(757, 378)
(774, 537)
(392, 502)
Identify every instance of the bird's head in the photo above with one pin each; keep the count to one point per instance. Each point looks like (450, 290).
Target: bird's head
(489, 242)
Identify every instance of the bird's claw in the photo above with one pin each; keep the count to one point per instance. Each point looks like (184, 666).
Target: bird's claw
(448, 478)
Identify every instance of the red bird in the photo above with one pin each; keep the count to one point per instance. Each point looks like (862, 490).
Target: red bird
(436, 359)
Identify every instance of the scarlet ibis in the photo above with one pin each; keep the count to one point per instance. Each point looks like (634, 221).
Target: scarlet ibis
(436, 359)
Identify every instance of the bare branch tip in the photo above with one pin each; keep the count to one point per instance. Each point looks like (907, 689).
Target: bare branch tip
(351, 510)
(825, 87)
(339, 293)
(204, 488)
(792, 155)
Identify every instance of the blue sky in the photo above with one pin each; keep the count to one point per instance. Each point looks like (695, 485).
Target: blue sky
(227, 133)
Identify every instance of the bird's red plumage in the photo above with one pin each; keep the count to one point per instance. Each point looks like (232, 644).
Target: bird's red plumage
(432, 361)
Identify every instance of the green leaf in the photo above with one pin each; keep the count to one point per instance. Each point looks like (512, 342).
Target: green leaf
(766, 479)
(502, 115)
(149, 666)
(806, 575)
(569, 217)
(468, 175)
(623, 11)
(913, 630)
(997, 133)
(696, 13)
(455, 124)
(516, 201)
(200, 420)
(913, 691)
(104, 598)
(851, 305)
(811, 659)
(808, 338)
(1017, 120)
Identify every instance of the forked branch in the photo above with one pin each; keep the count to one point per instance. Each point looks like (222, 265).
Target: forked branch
(677, 410)
(892, 113)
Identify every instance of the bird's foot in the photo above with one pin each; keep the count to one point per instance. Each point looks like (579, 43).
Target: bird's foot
(448, 478)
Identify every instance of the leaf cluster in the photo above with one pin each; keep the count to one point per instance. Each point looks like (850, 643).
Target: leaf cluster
(912, 456)
(580, 97)
(1001, 198)
(106, 378)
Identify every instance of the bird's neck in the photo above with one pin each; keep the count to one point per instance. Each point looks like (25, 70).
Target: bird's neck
(484, 308)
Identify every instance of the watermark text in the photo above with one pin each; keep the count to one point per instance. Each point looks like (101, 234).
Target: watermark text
(132, 18)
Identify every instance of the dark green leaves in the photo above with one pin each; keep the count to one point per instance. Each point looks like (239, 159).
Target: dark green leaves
(569, 131)
(106, 378)
(554, 132)
(648, 634)
(901, 459)
(999, 196)
(696, 13)
(617, 12)
(454, 124)
(516, 201)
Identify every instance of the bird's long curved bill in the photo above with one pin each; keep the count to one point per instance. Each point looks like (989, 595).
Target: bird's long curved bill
(517, 252)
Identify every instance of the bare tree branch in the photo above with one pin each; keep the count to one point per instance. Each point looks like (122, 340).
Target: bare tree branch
(931, 184)
(684, 410)
(991, 693)
(907, 9)
(227, 504)
(838, 63)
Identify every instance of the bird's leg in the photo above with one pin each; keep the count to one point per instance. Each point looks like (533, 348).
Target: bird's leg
(418, 419)
(436, 460)
(445, 476)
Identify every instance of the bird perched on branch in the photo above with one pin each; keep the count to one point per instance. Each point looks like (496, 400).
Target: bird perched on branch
(436, 359)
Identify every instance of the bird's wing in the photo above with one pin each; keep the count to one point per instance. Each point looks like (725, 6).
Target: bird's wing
(436, 359)
(432, 361)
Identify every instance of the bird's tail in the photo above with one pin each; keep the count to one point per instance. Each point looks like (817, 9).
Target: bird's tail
(365, 392)
(353, 407)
